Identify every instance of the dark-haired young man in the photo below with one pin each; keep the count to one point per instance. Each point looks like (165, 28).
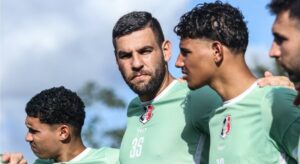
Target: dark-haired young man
(163, 125)
(286, 30)
(54, 120)
(254, 125)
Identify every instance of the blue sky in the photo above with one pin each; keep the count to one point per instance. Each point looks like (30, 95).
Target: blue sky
(52, 43)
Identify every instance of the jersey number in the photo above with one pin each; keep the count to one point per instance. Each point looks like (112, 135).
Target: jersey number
(220, 161)
(137, 145)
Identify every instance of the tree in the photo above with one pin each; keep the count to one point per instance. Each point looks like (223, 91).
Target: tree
(91, 94)
(259, 69)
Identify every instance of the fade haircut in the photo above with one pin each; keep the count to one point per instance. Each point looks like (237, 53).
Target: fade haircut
(57, 106)
(215, 21)
(135, 21)
(278, 6)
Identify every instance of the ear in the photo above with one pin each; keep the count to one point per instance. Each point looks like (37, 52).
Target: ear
(218, 54)
(64, 132)
(167, 50)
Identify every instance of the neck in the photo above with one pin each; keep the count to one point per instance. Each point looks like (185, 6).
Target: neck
(233, 80)
(70, 150)
(168, 78)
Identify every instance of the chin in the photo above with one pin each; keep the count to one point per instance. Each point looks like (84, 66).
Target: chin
(192, 87)
(195, 86)
(294, 78)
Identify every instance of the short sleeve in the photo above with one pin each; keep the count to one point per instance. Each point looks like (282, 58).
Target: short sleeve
(285, 126)
(203, 103)
(291, 139)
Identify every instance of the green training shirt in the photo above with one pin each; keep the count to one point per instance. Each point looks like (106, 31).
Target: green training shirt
(90, 156)
(174, 127)
(260, 126)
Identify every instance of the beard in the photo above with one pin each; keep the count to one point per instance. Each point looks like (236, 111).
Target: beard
(294, 76)
(150, 86)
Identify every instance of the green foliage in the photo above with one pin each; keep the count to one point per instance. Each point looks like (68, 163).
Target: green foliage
(260, 69)
(88, 133)
(91, 93)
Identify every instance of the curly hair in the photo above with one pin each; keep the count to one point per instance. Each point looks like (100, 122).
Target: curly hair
(134, 21)
(278, 6)
(57, 106)
(216, 21)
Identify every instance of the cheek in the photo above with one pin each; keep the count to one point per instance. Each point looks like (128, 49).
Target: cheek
(124, 69)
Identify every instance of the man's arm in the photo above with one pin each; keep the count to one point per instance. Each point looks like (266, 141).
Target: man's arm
(285, 122)
(269, 79)
(291, 139)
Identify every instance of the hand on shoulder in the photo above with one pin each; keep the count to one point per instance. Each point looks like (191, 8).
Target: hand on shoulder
(13, 158)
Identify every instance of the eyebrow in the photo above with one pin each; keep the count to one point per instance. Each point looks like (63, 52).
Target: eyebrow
(145, 48)
(278, 35)
(138, 50)
(124, 52)
(185, 50)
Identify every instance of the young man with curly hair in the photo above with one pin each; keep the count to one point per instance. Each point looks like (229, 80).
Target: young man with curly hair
(254, 125)
(54, 120)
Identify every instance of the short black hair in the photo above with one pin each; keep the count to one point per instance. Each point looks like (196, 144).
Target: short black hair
(57, 106)
(216, 21)
(277, 6)
(134, 21)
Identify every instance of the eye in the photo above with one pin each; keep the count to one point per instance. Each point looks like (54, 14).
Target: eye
(279, 39)
(146, 50)
(184, 52)
(124, 55)
(32, 131)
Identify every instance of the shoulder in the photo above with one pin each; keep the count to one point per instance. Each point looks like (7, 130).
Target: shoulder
(279, 109)
(205, 97)
(280, 100)
(43, 161)
(178, 88)
(105, 151)
(104, 154)
(134, 106)
(280, 93)
(201, 105)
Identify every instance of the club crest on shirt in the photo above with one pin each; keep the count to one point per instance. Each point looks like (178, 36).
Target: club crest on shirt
(226, 126)
(144, 118)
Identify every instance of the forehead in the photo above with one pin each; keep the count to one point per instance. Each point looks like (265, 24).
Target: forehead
(193, 43)
(35, 123)
(284, 22)
(137, 39)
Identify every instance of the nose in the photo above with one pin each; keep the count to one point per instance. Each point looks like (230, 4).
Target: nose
(179, 61)
(275, 50)
(137, 62)
(28, 137)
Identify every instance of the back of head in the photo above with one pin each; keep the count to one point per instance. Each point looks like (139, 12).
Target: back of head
(135, 21)
(278, 6)
(57, 106)
(215, 21)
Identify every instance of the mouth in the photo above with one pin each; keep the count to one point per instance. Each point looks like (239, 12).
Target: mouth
(139, 75)
(33, 148)
(184, 74)
(279, 62)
